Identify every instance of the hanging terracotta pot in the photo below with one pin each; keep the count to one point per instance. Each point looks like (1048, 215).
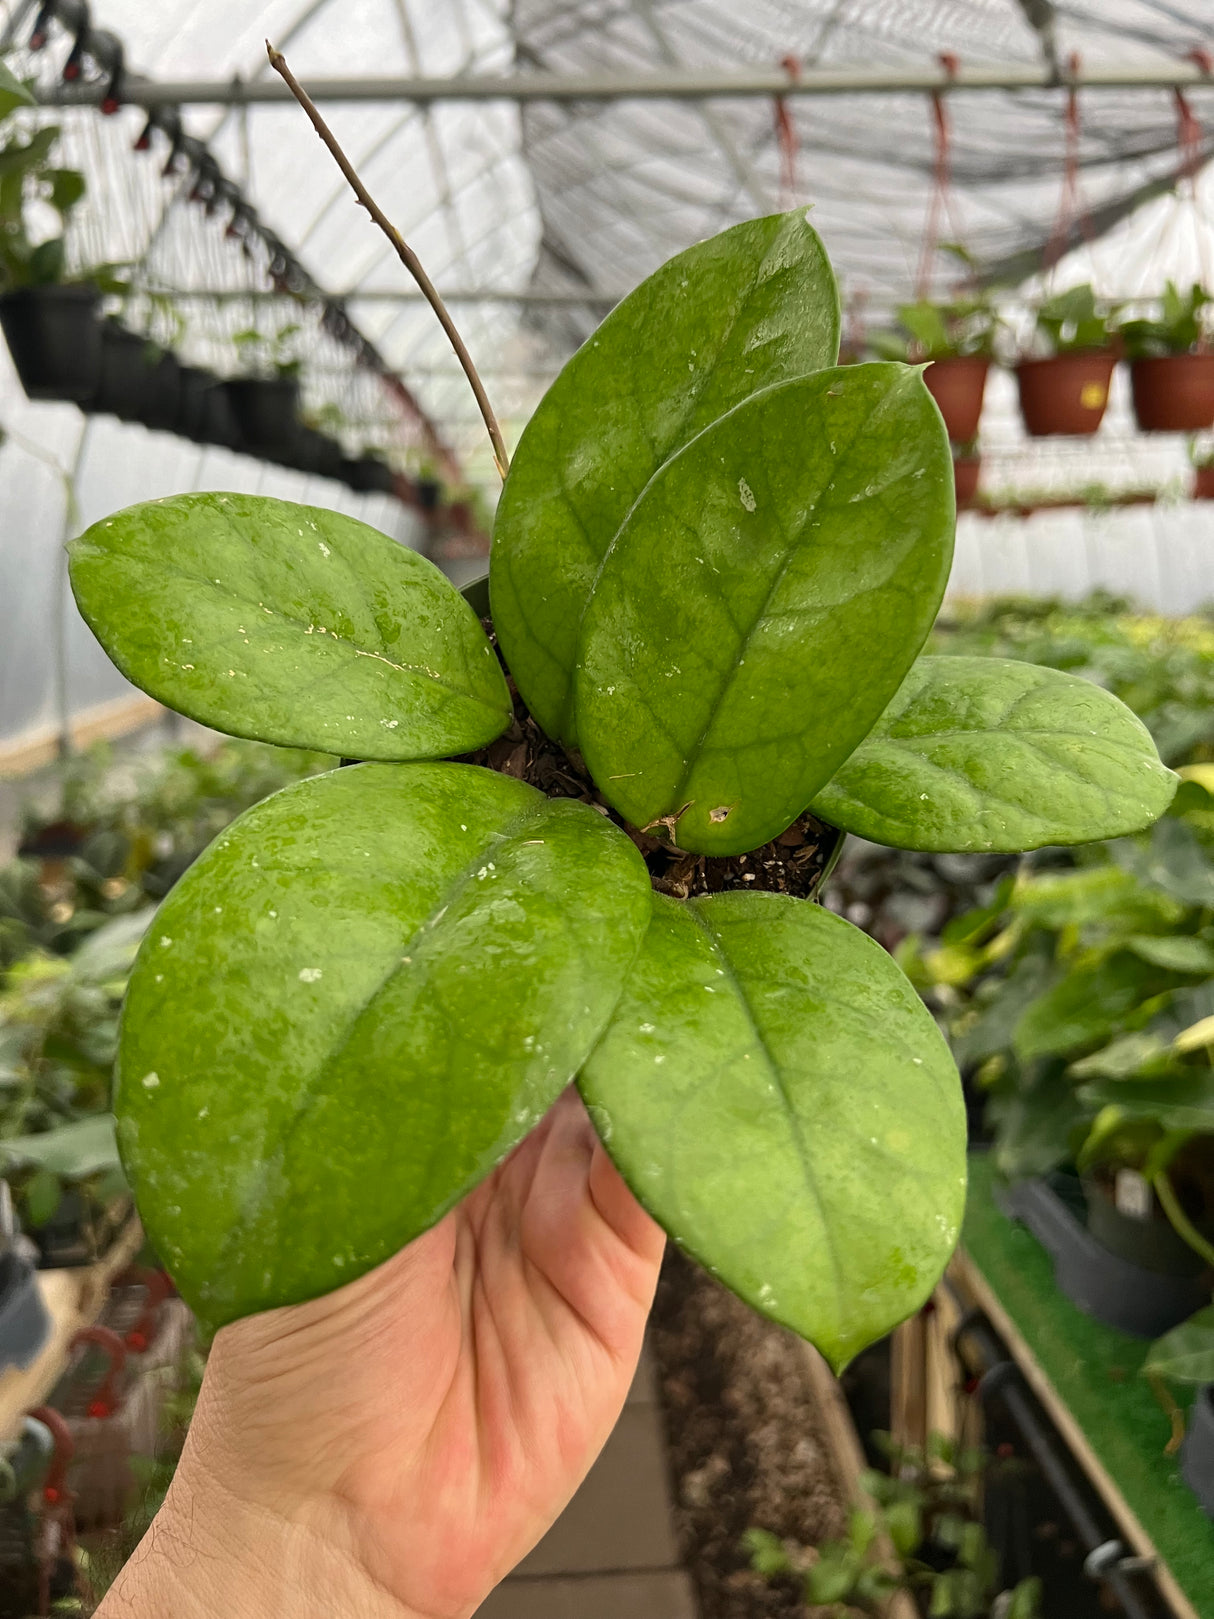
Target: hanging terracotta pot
(1174, 393)
(1066, 394)
(966, 469)
(957, 385)
(1203, 483)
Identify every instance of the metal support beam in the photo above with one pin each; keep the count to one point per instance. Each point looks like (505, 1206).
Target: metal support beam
(668, 86)
(393, 295)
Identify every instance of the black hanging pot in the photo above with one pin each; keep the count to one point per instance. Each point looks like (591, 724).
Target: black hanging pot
(316, 453)
(204, 412)
(161, 407)
(368, 475)
(267, 415)
(137, 381)
(54, 337)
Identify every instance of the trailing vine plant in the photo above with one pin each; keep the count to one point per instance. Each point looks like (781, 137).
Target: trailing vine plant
(586, 853)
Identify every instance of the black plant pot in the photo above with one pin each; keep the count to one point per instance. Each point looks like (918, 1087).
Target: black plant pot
(429, 494)
(316, 453)
(1197, 1452)
(267, 415)
(1145, 1303)
(24, 1323)
(368, 475)
(137, 381)
(54, 337)
(204, 413)
(1152, 1243)
(162, 396)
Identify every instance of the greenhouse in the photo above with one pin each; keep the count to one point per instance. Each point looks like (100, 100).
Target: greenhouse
(607, 809)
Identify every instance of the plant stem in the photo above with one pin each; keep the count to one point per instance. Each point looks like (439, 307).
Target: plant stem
(405, 253)
(1181, 1223)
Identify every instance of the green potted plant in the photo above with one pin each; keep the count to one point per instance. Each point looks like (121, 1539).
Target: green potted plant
(1086, 987)
(715, 561)
(1066, 391)
(957, 341)
(1171, 364)
(49, 322)
(266, 401)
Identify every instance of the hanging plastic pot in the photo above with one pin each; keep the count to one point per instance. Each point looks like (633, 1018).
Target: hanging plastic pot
(316, 453)
(368, 475)
(204, 413)
(161, 404)
(966, 470)
(1066, 394)
(54, 337)
(1174, 393)
(957, 385)
(137, 382)
(267, 415)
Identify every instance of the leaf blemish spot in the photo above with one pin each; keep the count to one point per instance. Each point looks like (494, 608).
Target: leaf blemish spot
(721, 813)
(746, 495)
(309, 975)
(150, 1081)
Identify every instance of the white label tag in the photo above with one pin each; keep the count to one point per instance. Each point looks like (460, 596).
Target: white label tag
(1132, 1194)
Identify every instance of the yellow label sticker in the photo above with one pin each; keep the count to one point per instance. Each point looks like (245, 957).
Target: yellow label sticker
(1092, 395)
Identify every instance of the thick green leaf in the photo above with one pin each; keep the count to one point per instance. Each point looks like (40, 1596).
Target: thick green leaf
(84, 1147)
(989, 754)
(1088, 1005)
(778, 1096)
(753, 306)
(1186, 1354)
(1182, 952)
(13, 93)
(763, 602)
(1183, 1103)
(290, 624)
(364, 993)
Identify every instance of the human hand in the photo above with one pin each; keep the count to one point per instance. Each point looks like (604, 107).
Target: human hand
(395, 1448)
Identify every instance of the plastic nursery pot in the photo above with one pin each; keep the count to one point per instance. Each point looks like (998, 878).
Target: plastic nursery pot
(1066, 394)
(1174, 393)
(966, 470)
(368, 475)
(54, 337)
(1149, 1242)
(957, 386)
(316, 453)
(1145, 1303)
(1203, 483)
(266, 411)
(24, 1323)
(1197, 1452)
(136, 383)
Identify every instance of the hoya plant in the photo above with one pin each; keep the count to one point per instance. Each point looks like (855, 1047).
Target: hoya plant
(715, 560)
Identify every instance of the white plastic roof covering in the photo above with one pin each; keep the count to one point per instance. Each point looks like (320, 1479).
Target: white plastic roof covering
(592, 196)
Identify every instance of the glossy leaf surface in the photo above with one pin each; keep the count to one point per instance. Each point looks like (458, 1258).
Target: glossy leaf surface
(977, 754)
(362, 995)
(752, 306)
(1186, 1354)
(763, 602)
(777, 1095)
(289, 624)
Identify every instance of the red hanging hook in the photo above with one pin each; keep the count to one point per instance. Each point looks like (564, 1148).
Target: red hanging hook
(105, 1401)
(942, 176)
(1070, 205)
(786, 136)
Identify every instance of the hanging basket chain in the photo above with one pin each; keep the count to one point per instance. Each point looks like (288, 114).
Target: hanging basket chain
(1070, 201)
(940, 208)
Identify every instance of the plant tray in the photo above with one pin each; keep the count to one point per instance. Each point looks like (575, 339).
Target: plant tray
(1090, 1373)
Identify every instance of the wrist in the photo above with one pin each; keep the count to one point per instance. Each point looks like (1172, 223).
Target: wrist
(211, 1554)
